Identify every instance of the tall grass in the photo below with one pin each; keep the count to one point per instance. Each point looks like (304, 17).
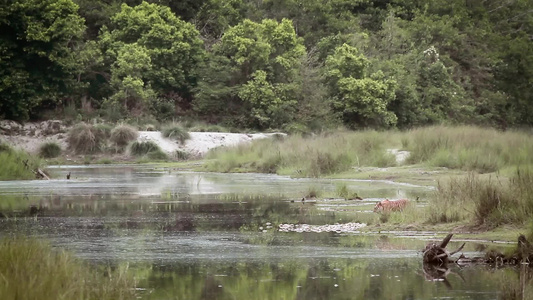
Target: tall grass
(313, 157)
(16, 164)
(31, 269)
(489, 202)
(469, 148)
(148, 149)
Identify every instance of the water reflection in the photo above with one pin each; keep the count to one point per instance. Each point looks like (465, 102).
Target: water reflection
(214, 236)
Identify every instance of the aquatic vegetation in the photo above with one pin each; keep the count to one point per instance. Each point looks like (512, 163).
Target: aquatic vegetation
(32, 269)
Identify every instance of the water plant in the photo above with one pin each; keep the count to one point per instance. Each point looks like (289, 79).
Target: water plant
(175, 131)
(32, 269)
(49, 150)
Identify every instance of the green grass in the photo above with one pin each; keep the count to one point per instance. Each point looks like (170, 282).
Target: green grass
(175, 131)
(31, 269)
(49, 150)
(12, 166)
(328, 153)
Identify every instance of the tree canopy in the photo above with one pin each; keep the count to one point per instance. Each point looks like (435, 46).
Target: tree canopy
(271, 64)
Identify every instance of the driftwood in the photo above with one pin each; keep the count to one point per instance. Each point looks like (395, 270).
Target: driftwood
(437, 254)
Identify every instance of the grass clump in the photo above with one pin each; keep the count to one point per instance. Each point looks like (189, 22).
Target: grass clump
(481, 201)
(343, 191)
(17, 164)
(122, 135)
(31, 269)
(85, 138)
(175, 131)
(49, 150)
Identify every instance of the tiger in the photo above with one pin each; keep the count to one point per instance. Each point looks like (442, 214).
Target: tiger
(387, 205)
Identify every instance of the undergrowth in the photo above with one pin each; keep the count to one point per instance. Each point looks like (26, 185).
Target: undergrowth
(17, 164)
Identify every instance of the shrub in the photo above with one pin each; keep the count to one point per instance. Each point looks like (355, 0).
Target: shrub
(122, 135)
(176, 132)
(33, 270)
(84, 138)
(140, 148)
(49, 150)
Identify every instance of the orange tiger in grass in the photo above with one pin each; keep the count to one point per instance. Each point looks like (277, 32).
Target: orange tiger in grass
(387, 205)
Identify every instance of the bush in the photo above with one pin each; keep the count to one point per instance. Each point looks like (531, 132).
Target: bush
(49, 150)
(157, 154)
(84, 138)
(122, 135)
(176, 132)
(140, 148)
(33, 270)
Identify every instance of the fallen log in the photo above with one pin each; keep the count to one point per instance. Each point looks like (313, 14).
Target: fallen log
(437, 254)
(40, 173)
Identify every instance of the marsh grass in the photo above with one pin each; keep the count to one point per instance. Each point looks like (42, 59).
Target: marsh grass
(342, 190)
(85, 138)
(469, 148)
(31, 269)
(12, 165)
(483, 201)
(122, 135)
(175, 131)
(49, 150)
(315, 156)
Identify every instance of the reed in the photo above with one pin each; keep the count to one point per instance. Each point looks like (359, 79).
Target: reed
(32, 269)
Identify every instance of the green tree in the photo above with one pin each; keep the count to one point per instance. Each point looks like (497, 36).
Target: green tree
(252, 60)
(361, 101)
(37, 63)
(172, 47)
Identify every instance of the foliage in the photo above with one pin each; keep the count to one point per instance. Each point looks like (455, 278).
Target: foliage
(31, 269)
(122, 135)
(151, 52)
(250, 74)
(175, 131)
(16, 164)
(49, 150)
(36, 61)
(361, 101)
(85, 139)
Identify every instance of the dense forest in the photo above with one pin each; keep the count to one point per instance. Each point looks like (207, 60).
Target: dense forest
(294, 65)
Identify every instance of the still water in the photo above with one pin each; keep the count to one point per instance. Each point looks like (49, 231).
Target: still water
(189, 235)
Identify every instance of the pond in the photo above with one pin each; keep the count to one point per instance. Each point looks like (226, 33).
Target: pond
(189, 235)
